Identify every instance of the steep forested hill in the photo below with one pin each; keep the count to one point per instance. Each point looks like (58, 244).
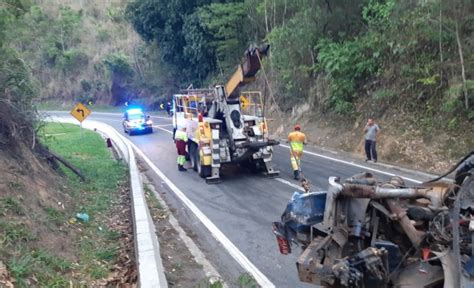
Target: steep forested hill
(407, 63)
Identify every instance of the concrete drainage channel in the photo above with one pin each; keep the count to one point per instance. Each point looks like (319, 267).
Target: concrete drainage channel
(147, 248)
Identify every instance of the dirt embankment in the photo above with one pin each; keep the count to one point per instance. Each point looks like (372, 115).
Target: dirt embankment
(28, 191)
(30, 183)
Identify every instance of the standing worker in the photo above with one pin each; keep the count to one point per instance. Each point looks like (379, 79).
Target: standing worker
(297, 140)
(168, 108)
(181, 139)
(371, 131)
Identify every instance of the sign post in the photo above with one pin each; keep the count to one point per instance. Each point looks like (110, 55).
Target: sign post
(80, 112)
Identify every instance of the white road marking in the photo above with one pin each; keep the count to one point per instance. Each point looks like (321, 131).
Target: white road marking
(104, 119)
(162, 125)
(332, 159)
(261, 279)
(161, 128)
(354, 164)
(161, 117)
(289, 183)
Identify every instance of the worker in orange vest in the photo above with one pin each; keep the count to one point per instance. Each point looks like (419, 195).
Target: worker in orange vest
(297, 140)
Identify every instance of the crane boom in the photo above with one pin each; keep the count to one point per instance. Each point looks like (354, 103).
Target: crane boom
(246, 71)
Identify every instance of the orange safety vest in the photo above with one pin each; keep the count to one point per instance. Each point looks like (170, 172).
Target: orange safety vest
(297, 140)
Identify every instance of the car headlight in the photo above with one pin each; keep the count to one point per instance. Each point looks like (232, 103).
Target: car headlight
(149, 122)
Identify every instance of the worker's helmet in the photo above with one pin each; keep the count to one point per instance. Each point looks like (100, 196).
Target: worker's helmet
(297, 127)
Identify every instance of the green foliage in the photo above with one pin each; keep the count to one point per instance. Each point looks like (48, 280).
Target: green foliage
(199, 50)
(384, 95)
(12, 233)
(119, 64)
(346, 64)
(292, 52)
(10, 205)
(86, 85)
(20, 267)
(72, 60)
(163, 21)
(103, 35)
(17, 92)
(116, 14)
(377, 13)
(247, 281)
(52, 261)
(224, 22)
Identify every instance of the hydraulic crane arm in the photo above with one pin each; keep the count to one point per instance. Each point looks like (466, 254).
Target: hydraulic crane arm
(245, 73)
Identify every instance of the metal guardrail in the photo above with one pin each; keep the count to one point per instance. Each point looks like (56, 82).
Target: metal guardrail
(147, 248)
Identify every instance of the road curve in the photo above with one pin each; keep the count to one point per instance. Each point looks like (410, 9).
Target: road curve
(243, 205)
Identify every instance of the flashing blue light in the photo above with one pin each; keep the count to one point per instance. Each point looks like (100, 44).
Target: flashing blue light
(135, 111)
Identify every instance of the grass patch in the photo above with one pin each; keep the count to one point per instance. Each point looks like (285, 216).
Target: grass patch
(104, 175)
(94, 245)
(16, 186)
(11, 234)
(106, 254)
(55, 216)
(151, 199)
(46, 268)
(21, 267)
(247, 281)
(11, 205)
(52, 261)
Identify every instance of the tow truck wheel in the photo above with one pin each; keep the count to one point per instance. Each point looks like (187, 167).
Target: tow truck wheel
(203, 170)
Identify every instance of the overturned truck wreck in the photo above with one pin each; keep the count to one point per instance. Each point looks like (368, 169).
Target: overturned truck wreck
(366, 233)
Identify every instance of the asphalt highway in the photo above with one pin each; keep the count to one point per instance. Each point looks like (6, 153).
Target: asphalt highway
(243, 205)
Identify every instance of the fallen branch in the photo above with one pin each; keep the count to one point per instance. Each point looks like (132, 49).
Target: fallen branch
(68, 165)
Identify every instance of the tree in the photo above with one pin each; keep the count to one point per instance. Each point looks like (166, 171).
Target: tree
(224, 21)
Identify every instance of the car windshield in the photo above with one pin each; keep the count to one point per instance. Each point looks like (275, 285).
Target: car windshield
(137, 116)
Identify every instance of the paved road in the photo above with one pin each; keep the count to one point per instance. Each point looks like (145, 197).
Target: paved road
(243, 205)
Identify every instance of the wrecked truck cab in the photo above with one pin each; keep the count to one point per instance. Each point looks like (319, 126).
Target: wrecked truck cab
(382, 234)
(303, 211)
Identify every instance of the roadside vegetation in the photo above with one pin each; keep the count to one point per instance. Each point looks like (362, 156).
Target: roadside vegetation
(384, 50)
(44, 241)
(408, 64)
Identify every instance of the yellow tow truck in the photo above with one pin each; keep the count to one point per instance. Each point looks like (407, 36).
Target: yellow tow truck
(225, 125)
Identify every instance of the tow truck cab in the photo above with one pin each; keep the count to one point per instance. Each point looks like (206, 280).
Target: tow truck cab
(135, 121)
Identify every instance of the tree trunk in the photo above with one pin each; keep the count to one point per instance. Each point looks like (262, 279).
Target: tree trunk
(440, 44)
(266, 17)
(463, 72)
(274, 14)
(137, 62)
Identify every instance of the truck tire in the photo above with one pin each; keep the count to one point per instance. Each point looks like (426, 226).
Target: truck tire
(203, 170)
(256, 166)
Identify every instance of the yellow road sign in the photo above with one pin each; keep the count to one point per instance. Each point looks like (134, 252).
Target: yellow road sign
(244, 102)
(80, 112)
